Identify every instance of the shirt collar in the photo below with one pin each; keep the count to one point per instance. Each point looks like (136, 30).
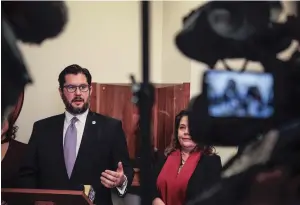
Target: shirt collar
(81, 117)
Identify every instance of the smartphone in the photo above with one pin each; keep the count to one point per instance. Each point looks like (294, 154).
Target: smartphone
(231, 94)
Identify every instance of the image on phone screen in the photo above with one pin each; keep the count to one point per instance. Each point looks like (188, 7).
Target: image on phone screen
(234, 94)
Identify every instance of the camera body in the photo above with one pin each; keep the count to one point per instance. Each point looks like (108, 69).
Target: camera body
(238, 107)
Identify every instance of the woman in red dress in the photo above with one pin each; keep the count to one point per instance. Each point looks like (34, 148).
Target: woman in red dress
(187, 168)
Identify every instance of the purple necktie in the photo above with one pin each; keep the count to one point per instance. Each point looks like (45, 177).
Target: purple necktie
(70, 146)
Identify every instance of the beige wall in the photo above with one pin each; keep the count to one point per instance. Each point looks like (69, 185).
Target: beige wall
(173, 61)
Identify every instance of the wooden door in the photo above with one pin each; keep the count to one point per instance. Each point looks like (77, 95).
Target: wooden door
(170, 100)
(114, 100)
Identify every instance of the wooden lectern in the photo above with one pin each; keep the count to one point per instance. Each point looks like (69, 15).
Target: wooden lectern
(44, 197)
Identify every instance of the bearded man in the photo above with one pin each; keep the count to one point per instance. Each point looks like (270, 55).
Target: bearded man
(78, 147)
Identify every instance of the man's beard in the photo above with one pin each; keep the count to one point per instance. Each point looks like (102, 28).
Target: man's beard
(76, 110)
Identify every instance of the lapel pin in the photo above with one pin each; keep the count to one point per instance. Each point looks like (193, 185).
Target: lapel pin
(93, 122)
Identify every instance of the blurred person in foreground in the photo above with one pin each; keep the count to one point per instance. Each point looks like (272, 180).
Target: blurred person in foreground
(274, 187)
(12, 151)
(30, 22)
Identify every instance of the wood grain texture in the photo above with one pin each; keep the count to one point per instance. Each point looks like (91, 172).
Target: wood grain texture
(31, 196)
(115, 100)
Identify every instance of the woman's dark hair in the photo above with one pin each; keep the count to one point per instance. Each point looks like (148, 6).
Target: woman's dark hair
(208, 150)
(10, 134)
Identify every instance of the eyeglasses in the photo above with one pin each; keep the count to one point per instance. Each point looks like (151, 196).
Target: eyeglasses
(73, 88)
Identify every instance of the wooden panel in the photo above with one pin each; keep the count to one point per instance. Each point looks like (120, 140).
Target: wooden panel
(115, 101)
(163, 116)
(186, 94)
(181, 97)
(170, 110)
(170, 101)
(94, 100)
(155, 117)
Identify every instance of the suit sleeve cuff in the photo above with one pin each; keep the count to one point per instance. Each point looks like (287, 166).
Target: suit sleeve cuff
(122, 189)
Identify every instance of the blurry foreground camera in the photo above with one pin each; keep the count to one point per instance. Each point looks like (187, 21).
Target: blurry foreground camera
(266, 171)
(235, 107)
(257, 111)
(30, 22)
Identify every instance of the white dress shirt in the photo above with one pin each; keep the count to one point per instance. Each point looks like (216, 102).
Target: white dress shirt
(80, 125)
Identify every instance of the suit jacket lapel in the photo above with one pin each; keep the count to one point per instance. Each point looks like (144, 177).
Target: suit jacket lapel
(58, 143)
(91, 130)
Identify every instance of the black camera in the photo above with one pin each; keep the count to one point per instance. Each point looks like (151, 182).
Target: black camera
(30, 22)
(257, 111)
(236, 107)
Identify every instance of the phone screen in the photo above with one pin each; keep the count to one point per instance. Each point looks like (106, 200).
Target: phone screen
(239, 94)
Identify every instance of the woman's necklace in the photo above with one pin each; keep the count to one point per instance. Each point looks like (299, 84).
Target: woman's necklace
(181, 163)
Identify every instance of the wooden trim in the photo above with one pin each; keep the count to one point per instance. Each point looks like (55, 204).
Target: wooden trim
(43, 191)
(46, 191)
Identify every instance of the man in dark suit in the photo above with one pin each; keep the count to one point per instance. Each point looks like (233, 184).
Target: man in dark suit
(78, 147)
